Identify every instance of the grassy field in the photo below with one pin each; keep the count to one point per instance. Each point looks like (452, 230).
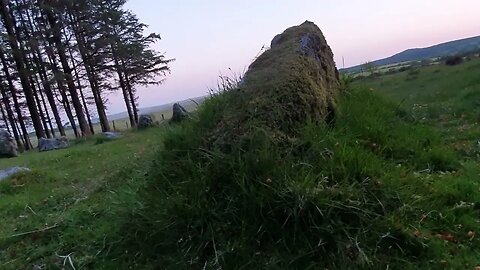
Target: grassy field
(72, 200)
(445, 97)
(393, 185)
(121, 125)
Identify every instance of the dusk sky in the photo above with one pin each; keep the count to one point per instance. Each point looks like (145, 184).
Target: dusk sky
(208, 37)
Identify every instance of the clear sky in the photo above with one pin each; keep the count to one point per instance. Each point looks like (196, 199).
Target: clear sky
(207, 37)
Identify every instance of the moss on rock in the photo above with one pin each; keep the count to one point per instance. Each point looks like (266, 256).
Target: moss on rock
(292, 83)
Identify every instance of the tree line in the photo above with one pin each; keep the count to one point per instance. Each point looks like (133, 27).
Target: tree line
(59, 59)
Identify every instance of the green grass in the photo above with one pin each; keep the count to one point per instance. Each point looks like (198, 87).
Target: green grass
(352, 196)
(82, 194)
(447, 98)
(392, 185)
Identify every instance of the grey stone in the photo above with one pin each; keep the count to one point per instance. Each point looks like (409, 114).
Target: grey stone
(179, 113)
(308, 43)
(112, 135)
(4, 174)
(52, 144)
(8, 145)
(146, 121)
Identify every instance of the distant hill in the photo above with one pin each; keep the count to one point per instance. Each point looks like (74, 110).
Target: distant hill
(445, 49)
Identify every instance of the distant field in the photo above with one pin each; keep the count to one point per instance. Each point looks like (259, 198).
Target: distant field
(432, 84)
(123, 124)
(447, 97)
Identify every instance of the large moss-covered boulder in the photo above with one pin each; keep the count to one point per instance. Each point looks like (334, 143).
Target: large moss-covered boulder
(293, 82)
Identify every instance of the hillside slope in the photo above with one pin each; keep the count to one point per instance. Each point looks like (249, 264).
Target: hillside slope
(440, 50)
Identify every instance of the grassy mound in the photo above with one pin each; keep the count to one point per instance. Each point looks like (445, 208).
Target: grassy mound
(338, 197)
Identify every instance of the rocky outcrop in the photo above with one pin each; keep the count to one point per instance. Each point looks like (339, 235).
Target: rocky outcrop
(294, 82)
(6, 173)
(179, 113)
(146, 121)
(52, 144)
(8, 146)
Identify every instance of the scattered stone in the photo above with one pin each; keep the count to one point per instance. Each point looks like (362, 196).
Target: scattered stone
(146, 121)
(4, 174)
(179, 113)
(52, 144)
(112, 135)
(8, 145)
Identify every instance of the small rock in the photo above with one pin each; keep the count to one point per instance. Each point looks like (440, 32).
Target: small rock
(8, 145)
(4, 174)
(179, 113)
(52, 144)
(112, 135)
(146, 121)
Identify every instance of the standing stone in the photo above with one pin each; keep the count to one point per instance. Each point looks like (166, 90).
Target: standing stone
(52, 144)
(293, 83)
(8, 145)
(146, 121)
(179, 113)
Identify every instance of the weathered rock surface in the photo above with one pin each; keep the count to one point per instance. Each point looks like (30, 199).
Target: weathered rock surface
(179, 113)
(52, 144)
(4, 174)
(8, 146)
(146, 121)
(294, 82)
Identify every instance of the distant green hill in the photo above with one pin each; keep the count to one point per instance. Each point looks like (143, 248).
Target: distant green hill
(445, 49)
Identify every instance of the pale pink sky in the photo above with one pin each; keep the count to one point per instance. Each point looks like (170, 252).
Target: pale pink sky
(208, 37)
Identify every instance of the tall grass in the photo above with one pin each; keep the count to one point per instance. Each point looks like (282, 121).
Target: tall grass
(329, 197)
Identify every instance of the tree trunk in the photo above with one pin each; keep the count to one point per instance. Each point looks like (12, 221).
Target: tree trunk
(86, 109)
(45, 107)
(82, 96)
(37, 59)
(11, 118)
(17, 55)
(124, 90)
(62, 89)
(92, 78)
(18, 110)
(77, 105)
(131, 95)
(39, 108)
(4, 117)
